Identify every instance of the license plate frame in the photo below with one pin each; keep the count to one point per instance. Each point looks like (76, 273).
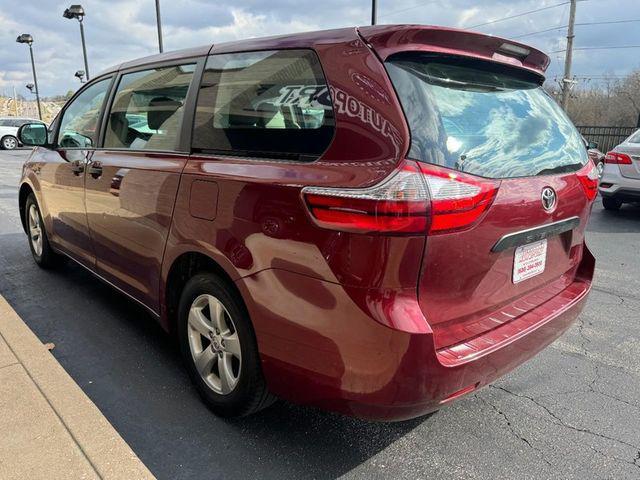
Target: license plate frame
(529, 261)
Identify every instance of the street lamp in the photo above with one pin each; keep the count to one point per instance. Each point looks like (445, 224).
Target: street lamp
(159, 26)
(30, 87)
(76, 11)
(28, 39)
(80, 75)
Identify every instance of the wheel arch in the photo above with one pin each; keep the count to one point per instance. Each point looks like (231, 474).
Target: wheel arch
(23, 194)
(184, 267)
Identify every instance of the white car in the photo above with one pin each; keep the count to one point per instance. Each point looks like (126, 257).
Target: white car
(620, 181)
(9, 131)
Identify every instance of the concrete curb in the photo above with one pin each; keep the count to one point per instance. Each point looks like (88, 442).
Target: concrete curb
(100, 447)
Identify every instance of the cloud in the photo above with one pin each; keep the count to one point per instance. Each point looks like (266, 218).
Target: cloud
(121, 30)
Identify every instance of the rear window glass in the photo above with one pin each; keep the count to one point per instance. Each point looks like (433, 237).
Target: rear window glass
(483, 119)
(635, 138)
(147, 109)
(266, 104)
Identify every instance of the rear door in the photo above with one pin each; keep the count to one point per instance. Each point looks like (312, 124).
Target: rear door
(508, 179)
(131, 182)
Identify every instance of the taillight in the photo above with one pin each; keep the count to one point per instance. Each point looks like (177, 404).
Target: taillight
(588, 176)
(417, 199)
(458, 200)
(398, 205)
(618, 158)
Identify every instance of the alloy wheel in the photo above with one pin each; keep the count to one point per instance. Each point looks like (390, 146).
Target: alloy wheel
(214, 344)
(35, 230)
(9, 143)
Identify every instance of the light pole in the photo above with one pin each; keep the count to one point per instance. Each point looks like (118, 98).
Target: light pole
(28, 39)
(76, 11)
(159, 23)
(374, 11)
(79, 75)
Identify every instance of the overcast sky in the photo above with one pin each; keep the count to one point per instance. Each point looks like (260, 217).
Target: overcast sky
(119, 30)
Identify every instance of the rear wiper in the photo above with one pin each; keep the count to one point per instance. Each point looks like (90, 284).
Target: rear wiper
(572, 167)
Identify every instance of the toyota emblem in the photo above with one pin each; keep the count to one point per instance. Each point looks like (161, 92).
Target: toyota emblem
(549, 199)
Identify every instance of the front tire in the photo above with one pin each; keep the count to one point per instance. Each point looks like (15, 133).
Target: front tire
(9, 142)
(41, 250)
(611, 203)
(219, 348)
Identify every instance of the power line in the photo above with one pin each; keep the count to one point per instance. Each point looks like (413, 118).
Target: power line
(600, 48)
(542, 31)
(403, 10)
(518, 15)
(609, 22)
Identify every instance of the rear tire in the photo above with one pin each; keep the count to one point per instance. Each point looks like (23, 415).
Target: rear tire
(611, 203)
(9, 142)
(219, 348)
(41, 250)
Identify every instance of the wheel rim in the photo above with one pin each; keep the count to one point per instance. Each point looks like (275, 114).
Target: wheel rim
(214, 344)
(35, 230)
(9, 143)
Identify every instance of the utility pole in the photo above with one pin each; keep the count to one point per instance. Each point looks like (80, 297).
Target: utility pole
(567, 82)
(15, 101)
(373, 11)
(159, 23)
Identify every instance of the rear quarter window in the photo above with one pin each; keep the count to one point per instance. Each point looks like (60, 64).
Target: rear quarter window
(483, 118)
(273, 104)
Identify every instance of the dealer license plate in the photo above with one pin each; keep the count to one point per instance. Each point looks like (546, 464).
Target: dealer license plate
(529, 260)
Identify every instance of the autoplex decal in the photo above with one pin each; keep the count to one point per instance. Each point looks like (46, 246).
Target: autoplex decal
(354, 108)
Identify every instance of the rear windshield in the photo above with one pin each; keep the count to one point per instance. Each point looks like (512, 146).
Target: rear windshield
(483, 118)
(635, 138)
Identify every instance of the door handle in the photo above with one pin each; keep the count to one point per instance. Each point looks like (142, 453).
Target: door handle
(77, 167)
(95, 169)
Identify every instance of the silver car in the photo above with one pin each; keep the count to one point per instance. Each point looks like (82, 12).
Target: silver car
(9, 131)
(620, 182)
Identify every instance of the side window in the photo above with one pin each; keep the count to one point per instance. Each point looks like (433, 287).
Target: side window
(265, 104)
(79, 123)
(147, 109)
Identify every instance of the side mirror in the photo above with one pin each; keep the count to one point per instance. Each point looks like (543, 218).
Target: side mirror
(33, 134)
(592, 145)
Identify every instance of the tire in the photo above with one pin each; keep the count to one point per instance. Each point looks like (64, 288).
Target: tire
(9, 142)
(41, 250)
(611, 203)
(600, 168)
(232, 348)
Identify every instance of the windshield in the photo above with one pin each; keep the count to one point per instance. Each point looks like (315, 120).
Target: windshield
(483, 118)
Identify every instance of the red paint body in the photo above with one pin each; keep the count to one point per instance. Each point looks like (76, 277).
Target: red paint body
(378, 326)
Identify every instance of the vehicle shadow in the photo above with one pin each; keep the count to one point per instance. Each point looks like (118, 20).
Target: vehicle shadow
(132, 371)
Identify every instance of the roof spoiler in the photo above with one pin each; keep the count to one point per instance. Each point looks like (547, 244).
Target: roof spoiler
(389, 39)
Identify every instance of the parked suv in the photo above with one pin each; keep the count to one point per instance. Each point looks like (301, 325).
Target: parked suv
(372, 220)
(621, 175)
(9, 131)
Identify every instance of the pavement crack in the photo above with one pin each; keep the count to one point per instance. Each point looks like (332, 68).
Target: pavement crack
(513, 430)
(559, 421)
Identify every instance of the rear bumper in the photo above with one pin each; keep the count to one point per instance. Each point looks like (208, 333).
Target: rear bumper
(614, 185)
(623, 194)
(337, 353)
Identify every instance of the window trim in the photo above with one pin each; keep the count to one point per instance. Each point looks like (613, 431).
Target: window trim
(58, 118)
(189, 103)
(250, 156)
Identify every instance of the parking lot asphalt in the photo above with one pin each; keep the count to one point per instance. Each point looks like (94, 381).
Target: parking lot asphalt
(571, 412)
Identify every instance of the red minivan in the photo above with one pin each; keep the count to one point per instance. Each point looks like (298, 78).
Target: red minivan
(373, 220)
